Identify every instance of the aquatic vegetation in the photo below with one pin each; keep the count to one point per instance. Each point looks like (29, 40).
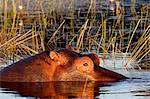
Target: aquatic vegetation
(28, 27)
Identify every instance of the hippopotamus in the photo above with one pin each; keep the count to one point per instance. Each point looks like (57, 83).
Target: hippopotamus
(58, 65)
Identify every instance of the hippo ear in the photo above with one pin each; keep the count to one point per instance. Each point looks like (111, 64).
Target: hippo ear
(95, 58)
(69, 47)
(53, 55)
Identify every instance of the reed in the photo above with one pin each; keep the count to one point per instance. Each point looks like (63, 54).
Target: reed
(80, 39)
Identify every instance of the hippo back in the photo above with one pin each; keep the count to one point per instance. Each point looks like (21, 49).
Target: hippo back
(33, 69)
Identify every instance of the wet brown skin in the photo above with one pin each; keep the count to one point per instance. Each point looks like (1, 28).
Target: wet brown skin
(61, 65)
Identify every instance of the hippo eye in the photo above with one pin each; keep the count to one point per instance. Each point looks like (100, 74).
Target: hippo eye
(85, 64)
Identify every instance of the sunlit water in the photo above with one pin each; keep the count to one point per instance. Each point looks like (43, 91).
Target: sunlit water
(138, 88)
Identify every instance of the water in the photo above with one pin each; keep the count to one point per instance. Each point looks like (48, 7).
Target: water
(129, 89)
(138, 87)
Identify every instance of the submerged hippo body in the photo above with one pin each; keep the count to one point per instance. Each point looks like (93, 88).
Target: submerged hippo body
(61, 65)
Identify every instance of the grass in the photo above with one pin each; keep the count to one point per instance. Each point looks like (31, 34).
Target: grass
(26, 32)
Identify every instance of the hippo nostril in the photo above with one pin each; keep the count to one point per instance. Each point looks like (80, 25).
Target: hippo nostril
(85, 64)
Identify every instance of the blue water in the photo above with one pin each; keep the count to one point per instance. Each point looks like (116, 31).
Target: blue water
(129, 89)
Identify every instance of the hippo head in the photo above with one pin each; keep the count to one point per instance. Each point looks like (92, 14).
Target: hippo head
(61, 65)
(73, 66)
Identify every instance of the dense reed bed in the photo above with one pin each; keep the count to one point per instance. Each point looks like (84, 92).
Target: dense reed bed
(112, 28)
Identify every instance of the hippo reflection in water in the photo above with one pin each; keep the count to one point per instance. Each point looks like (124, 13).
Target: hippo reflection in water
(55, 90)
(61, 65)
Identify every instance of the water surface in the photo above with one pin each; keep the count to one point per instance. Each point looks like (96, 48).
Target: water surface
(138, 87)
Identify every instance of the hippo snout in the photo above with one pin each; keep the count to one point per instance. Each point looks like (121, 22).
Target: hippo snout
(102, 74)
